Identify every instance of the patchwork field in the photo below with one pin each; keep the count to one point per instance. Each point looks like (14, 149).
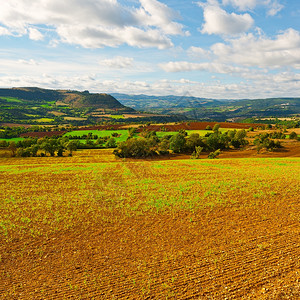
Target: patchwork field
(95, 227)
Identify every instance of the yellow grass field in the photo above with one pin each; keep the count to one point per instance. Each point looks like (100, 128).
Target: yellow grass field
(95, 227)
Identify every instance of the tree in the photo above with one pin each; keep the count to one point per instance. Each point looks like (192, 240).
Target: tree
(216, 128)
(72, 146)
(134, 148)
(293, 136)
(49, 147)
(193, 141)
(111, 143)
(13, 148)
(177, 143)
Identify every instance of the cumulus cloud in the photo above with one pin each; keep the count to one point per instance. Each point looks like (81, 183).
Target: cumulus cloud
(35, 35)
(4, 31)
(118, 62)
(261, 51)
(94, 23)
(272, 6)
(198, 53)
(282, 84)
(241, 4)
(218, 21)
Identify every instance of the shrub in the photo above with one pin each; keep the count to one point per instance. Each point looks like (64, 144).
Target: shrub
(111, 143)
(214, 154)
(293, 136)
(197, 152)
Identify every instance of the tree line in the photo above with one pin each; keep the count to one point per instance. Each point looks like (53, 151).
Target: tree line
(149, 144)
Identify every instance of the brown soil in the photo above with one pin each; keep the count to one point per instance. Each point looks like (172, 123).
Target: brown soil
(176, 127)
(211, 254)
(224, 252)
(42, 134)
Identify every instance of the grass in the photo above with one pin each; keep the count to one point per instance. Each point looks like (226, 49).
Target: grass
(11, 99)
(117, 116)
(93, 185)
(44, 120)
(13, 139)
(101, 133)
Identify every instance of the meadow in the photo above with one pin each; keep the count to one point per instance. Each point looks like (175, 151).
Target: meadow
(93, 226)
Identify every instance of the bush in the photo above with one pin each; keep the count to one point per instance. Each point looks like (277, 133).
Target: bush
(111, 143)
(214, 154)
(293, 136)
(197, 152)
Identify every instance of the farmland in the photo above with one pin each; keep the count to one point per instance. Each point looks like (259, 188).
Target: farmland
(94, 226)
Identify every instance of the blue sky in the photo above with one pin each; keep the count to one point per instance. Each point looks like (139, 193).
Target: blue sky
(223, 49)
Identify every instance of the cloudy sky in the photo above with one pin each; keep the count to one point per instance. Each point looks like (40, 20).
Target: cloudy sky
(214, 48)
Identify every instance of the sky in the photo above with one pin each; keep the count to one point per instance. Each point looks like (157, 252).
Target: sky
(220, 49)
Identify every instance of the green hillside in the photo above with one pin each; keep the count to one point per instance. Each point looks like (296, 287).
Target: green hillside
(32, 105)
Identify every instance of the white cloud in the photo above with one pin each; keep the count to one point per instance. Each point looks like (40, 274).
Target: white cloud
(35, 35)
(250, 50)
(118, 62)
(159, 15)
(198, 53)
(279, 85)
(218, 21)
(272, 6)
(4, 31)
(183, 66)
(94, 23)
(28, 62)
(241, 4)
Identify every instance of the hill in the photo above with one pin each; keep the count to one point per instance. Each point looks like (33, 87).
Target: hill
(210, 109)
(35, 105)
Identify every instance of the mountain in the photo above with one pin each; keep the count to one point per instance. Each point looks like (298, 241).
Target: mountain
(152, 103)
(210, 109)
(35, 105)
(75, 99)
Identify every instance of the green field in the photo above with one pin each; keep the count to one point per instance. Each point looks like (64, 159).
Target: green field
(13, 139)
(117, 116)
(10, 99)
(44, 120)
(100, 133)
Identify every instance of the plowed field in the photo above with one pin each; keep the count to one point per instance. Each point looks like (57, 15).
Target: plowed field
(93, 227)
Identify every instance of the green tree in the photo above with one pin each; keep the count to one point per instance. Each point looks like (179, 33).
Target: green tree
(177, 143)
(134, 148)
(13, 148)
(72, 146)
(111, 143)
(293, 136)
(216, 128)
